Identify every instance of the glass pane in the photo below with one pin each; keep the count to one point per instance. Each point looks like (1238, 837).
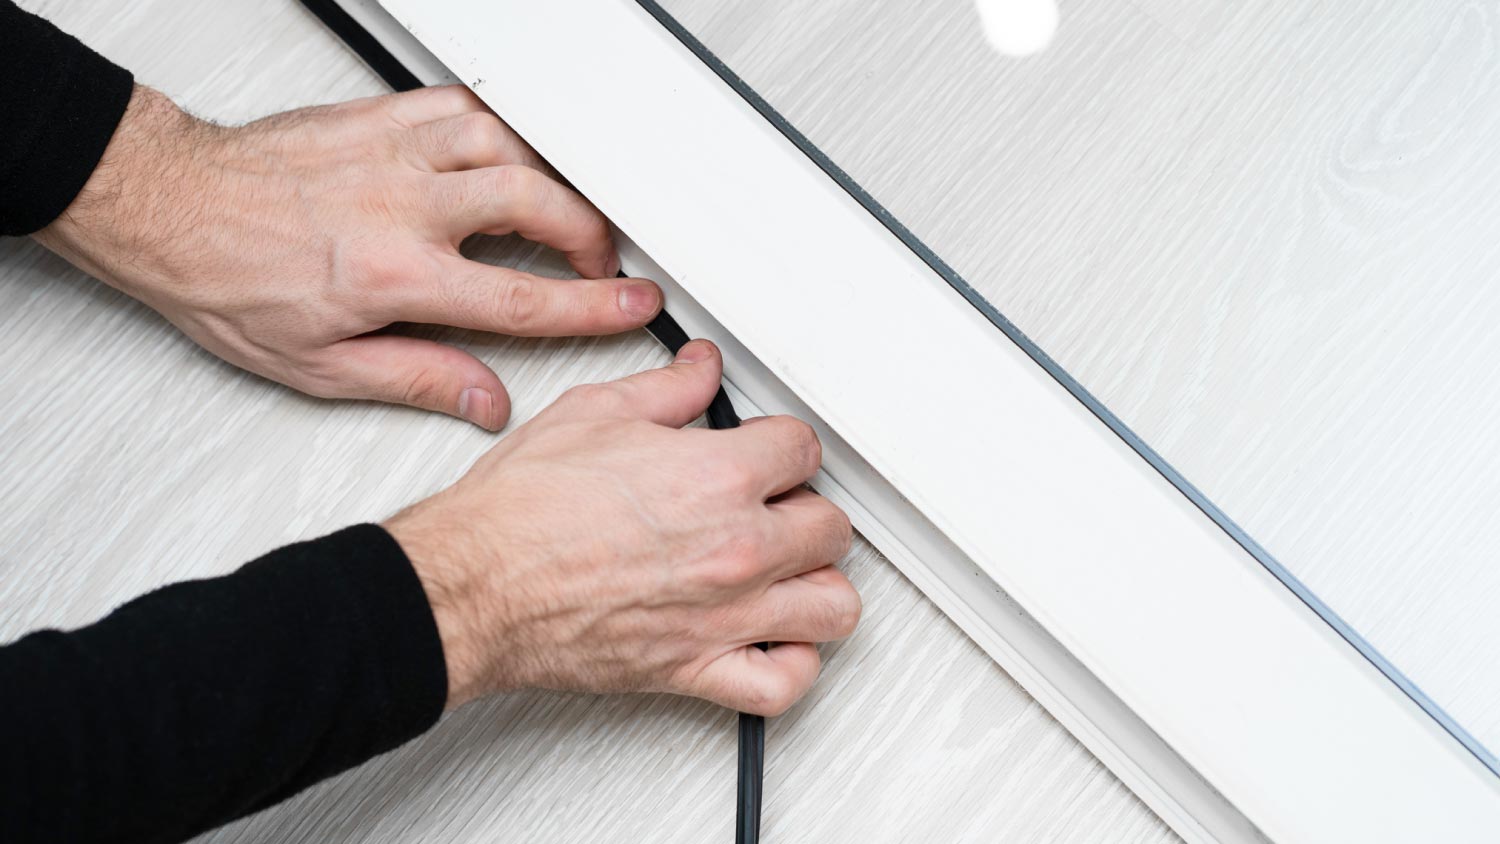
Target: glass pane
(1263, 235)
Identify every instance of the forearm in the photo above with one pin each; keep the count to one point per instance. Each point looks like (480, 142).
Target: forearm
(58, 108)
(124, 224)
(207, 700)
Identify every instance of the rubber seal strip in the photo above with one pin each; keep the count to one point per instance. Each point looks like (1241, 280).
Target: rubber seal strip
(720, 413)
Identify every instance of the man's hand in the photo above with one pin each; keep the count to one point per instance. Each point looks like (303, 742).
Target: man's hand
(601, 547)
(281, 245)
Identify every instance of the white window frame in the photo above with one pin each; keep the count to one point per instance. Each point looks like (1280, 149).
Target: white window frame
(1171, 651)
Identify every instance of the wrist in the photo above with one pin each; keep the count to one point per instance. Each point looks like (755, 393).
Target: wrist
(117, 226)
(452, 594)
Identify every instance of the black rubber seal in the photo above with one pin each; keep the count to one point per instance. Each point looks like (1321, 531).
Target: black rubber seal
(364, 45)
(720, 413)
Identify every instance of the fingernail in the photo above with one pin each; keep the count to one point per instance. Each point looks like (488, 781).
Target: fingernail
(639, 300)
(477, 406)
(612, 266)
(695, 351)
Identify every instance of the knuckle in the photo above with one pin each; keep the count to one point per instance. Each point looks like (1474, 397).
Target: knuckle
(838, 528)
(592, 227)
(805, 440)
(725, 474)
(741, 563)
(446, 98)
(506, 195)
(480, 128)
(439, 138)
(514, 183)
(358, 269)
(776, 694)
(323, 376)
(369, 268)
(457, 96)
(483, 193)
(518, 302)
(735, 476)
(799, 440)
(423, 388)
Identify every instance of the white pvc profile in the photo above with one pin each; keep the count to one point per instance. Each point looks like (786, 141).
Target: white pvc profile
(1252, 689)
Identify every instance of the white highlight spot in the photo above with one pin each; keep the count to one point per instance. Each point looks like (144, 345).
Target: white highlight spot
(1018, 27)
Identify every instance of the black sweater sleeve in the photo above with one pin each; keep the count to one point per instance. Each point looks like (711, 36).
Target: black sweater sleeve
(207, 700)
(59, 105)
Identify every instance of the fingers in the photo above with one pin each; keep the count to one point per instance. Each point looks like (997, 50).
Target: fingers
(784, 451)
(806, 532)
(469, 294)
(673, 395)
(469, 141)
(819, 606)
(759, 682)
(424, 105)
(511, 198)
(420, 373)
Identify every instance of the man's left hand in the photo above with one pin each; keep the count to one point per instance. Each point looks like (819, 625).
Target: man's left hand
(286, 245)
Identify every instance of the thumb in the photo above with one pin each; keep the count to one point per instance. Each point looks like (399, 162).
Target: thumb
(421, 373)
(673, 395)
(759, 682)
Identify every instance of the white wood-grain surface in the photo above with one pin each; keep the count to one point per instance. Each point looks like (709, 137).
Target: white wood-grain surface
(1265, 235)
(131, 458)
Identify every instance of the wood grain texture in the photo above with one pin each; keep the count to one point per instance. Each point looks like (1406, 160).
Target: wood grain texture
(132, 458)
(1265, 235)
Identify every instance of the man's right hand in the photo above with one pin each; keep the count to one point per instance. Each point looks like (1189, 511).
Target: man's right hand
(602, 547)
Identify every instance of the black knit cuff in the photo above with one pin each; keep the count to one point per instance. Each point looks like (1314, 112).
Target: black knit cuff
(61, 104)
(383, 595)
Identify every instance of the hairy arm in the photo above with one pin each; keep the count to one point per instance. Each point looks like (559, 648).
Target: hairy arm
(286, 246)
(600, 547)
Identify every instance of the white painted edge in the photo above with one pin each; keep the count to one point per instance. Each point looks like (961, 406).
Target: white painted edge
(1247, 684)
(959, 589)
